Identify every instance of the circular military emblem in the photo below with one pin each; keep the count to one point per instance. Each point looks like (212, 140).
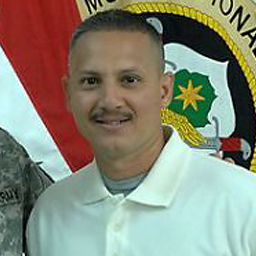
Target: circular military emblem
(214, 89)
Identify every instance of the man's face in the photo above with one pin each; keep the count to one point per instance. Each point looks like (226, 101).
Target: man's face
(115, 91)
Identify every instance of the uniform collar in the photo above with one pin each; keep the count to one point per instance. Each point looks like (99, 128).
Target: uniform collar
(158, 188)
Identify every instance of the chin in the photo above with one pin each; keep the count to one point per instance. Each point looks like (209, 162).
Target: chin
(112, 148)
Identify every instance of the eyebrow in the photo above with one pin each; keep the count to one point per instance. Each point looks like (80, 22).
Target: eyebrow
(88, 72)
(95, 73)
(129, 70)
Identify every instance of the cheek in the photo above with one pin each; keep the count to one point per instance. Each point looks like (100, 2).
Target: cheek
(149, 105)
(154, 106)
(80, 108)
(153, 99)
(80, 103)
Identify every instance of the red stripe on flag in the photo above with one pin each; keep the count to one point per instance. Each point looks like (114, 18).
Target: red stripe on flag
(35, 36)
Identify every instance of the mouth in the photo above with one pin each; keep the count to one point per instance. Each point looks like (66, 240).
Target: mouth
(111, 120)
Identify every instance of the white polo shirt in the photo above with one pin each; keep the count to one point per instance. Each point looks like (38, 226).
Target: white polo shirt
(188, 205)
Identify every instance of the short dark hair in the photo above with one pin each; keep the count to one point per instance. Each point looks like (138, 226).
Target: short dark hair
(119, 20)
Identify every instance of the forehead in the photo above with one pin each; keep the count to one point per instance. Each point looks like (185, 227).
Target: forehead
(115, 45)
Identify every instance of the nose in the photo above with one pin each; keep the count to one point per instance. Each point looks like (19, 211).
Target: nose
(110, 97)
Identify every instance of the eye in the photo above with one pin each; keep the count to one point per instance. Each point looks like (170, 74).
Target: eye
(130, 80)
(90, 82)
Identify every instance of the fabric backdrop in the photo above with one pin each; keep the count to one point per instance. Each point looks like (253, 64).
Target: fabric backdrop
(210, 46)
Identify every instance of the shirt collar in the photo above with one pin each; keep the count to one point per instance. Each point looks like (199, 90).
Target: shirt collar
(162, 182)
(91, 186)
(158, 188)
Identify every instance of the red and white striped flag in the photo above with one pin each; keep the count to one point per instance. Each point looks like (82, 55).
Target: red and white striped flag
(34, 39)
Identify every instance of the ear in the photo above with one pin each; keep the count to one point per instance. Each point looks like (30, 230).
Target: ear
(167, 89)
(65, 87)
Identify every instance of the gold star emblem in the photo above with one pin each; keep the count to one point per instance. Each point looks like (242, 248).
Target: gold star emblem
(190, 95)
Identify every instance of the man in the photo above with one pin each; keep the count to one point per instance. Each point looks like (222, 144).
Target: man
(146, 192)
(21, 182)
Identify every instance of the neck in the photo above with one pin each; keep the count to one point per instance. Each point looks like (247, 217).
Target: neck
(130, 164)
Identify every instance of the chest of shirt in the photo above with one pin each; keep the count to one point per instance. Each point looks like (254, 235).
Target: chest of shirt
(117, 227)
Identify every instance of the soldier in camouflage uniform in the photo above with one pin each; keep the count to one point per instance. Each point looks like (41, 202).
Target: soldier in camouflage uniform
(21, 182)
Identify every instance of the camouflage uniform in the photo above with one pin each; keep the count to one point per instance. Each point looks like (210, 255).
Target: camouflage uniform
(21, 182)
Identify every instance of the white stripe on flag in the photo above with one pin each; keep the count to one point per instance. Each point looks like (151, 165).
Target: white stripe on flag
(19, 117)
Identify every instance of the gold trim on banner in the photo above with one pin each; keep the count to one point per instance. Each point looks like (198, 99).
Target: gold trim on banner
(212, 24)
(81, 8)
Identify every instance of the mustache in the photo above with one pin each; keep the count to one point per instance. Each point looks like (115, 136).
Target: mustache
(101, 114)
